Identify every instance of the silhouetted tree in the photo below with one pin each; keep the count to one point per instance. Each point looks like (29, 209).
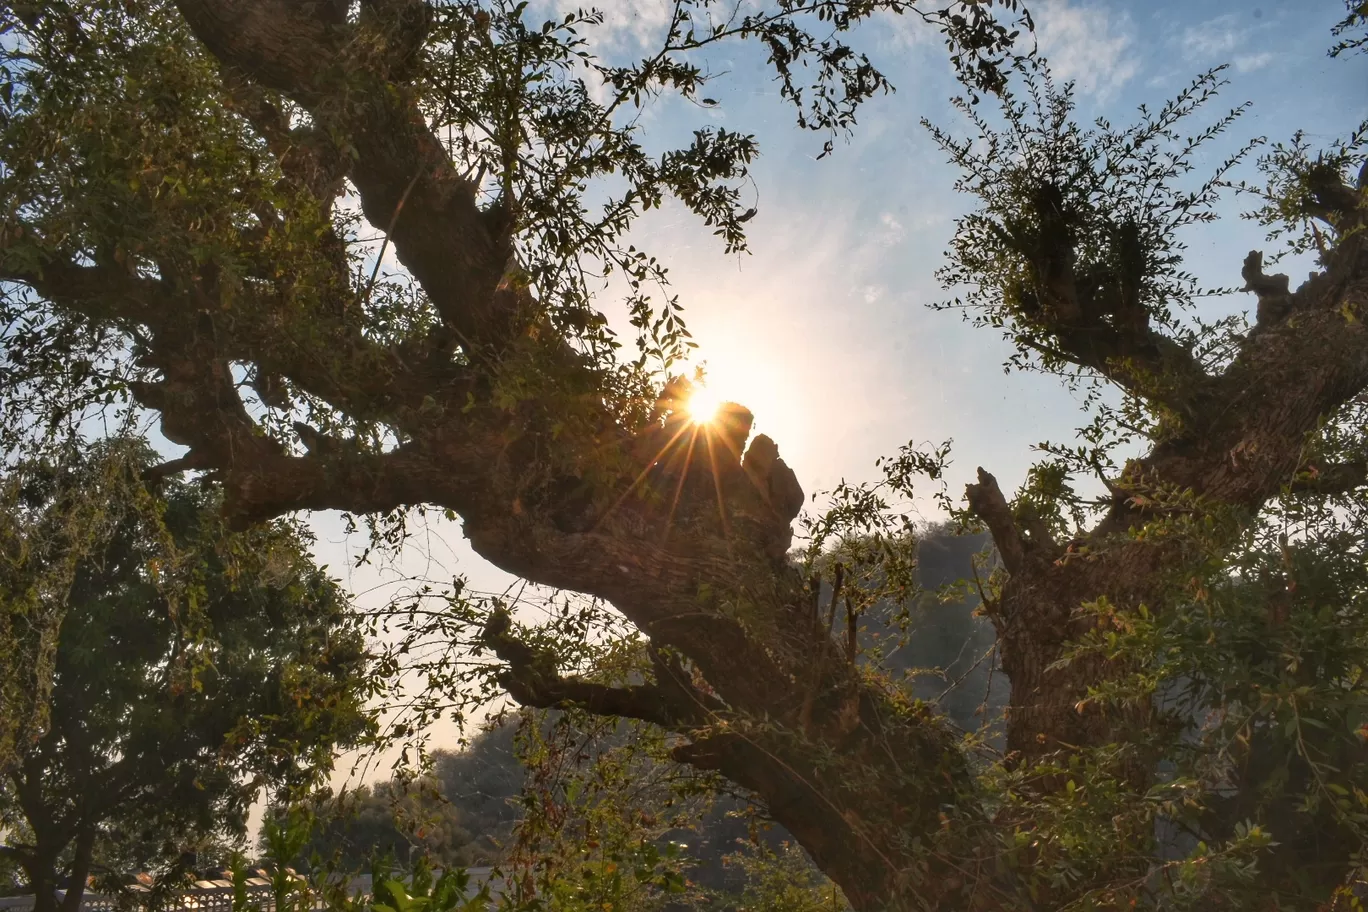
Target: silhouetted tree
(192, 668)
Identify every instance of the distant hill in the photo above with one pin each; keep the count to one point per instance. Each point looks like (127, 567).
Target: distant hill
(946, 636)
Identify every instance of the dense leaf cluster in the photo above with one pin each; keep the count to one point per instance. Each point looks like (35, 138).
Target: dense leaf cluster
(188, 670)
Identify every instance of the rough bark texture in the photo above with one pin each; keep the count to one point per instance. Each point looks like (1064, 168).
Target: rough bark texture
(84, 852)
(1243, 443)
(697, 561)
(39, 861)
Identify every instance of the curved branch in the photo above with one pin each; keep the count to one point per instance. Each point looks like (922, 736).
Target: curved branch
(531, 679)
(101, 292)
(455, 250)
(1330, 479)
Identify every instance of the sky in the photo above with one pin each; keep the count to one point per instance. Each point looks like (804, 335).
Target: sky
(823, 329)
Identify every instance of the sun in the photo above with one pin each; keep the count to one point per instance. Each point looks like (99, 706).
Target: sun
(703, 405)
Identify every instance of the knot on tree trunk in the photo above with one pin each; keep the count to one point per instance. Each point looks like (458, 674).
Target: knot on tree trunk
(773, 478)
(1275, 297)
(987, 502)
(699, 474)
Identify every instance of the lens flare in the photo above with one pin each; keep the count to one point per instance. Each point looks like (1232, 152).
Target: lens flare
(703, 405)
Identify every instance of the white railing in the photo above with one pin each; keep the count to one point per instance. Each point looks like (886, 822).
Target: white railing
(204, 896)
(217, 895)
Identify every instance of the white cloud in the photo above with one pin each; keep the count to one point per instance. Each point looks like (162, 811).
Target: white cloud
(628, 25)
(1091, 45)
(909, 32)
(1218, 40)
(1245, 63)
(890, 230)
(1213, 38)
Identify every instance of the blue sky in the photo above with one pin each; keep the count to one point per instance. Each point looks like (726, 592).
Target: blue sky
(831, 303)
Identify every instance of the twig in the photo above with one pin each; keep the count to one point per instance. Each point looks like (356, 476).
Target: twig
(384, 245)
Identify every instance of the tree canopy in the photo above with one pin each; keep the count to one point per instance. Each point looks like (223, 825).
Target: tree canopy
(187, 189)
(191, 669)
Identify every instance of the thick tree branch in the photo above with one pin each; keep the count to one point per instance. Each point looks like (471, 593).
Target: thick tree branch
(270, 483)
(1235, 451)
(457, 251)
(531, 679)
(1329, 479)
(986, 501)
(321, 354)
(1287, 379)
(1093, 317)
(1273, 292)
(309, 159)
(102, 292)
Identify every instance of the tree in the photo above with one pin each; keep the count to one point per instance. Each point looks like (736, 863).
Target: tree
(191, 669)
(1346, 28)
(483, 779)
(398, 821)
(175, 243)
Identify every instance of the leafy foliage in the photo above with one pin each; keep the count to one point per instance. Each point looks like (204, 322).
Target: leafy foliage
(1344, 29)
(1237, 675)
(192, 669)
(1078, 241)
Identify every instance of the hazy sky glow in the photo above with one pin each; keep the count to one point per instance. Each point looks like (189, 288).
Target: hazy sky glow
(823, 330)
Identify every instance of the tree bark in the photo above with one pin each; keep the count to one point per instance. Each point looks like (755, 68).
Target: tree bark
(50, 834)
(1244, 446)
(84, 851)
(42, 875)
